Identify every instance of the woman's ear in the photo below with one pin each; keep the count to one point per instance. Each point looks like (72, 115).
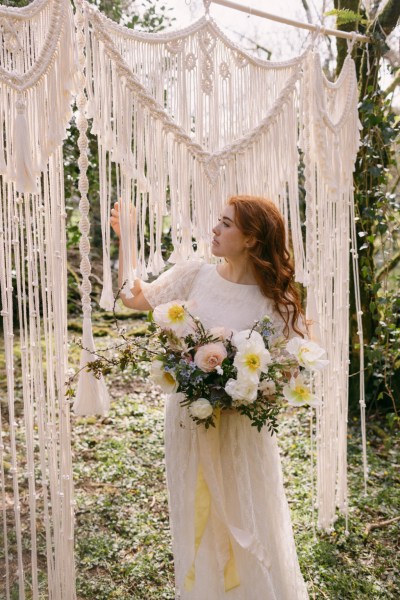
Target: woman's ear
(250, 242)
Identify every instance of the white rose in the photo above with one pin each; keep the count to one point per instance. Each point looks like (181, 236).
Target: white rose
(267, 387)
(242, 391)
(201, 409)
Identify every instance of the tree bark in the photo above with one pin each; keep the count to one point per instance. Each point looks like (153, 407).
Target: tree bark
(354, 6)
(368, 61)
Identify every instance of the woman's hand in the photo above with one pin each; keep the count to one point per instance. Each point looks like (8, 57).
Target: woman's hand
(114, 219)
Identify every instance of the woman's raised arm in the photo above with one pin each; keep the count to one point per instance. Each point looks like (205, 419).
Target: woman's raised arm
(138, 302)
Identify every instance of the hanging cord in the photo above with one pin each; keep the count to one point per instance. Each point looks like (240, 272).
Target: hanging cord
(92, 396)
(207, 4)
(351, 42)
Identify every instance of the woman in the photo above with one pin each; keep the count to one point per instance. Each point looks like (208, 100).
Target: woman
(232, 539)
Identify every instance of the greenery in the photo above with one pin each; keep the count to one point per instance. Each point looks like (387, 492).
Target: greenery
(123, 545)
(376, 178)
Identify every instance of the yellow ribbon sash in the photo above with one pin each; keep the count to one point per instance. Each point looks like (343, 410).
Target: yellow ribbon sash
(202, 505)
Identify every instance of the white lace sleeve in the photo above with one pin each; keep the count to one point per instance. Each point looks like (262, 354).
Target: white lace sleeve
(173, 284)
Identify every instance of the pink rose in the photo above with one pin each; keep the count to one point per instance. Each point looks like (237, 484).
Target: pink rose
(210, 356)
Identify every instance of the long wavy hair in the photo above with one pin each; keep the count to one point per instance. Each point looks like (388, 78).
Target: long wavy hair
(260, 220)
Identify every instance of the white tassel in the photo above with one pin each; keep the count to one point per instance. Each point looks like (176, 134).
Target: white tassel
(25, 178)
(92, 397)
(107, 295)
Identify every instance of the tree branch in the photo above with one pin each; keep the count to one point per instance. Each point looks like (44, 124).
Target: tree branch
(380, 524)
(307, 10)
(395, 83)
(394, 261)
(389, 16)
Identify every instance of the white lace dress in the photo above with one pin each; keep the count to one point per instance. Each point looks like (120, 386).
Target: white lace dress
(248, 502)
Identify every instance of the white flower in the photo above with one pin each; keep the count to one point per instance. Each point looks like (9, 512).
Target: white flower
(201, 408)
(241, 391)
(251, 359)
(245, 336)
(164, 379)
(297, 392)
(174, 316)
(267, 387)
(308, 354)
(219, 370)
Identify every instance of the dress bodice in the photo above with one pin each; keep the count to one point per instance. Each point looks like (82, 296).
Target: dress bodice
(215, 300)
(221, 303)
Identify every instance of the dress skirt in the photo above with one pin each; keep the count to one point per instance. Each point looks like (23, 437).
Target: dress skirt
(248, 520)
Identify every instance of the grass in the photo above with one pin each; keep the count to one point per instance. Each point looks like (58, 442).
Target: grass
(123, 546)
(123, 541)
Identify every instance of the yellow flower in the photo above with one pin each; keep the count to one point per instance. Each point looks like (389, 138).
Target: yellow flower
(252, 361)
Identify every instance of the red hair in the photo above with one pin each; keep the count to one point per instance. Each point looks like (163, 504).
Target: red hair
(260, 220)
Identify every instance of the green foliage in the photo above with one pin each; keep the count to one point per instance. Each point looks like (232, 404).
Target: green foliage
(154, 17)
(16, 3)
(345, 16)
(378, 222)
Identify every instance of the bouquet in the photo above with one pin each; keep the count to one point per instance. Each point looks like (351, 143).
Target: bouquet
(249, 371)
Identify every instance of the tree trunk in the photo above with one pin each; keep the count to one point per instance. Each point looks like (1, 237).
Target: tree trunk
(354, 6)
(368, 62)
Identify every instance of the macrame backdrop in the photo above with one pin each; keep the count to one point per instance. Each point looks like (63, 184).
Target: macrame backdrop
(37, 66)
(330, 141)
(190, 112)
(183, 121)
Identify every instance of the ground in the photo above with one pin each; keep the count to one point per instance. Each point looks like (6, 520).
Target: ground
(123, 541)
(123, 546)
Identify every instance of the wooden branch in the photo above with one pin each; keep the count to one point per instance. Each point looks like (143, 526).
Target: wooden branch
(394, 85)
(389, 16)
(379, 524)
(388, 267)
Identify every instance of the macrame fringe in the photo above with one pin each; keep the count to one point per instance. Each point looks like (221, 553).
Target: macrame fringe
(25, 178)
(330, 139)
(155, 101)
(36, 87)
(92, 396)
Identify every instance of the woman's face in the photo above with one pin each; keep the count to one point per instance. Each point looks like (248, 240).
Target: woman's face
(228, 240)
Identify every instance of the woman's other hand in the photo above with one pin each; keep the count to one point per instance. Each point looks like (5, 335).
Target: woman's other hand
(114, 220)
